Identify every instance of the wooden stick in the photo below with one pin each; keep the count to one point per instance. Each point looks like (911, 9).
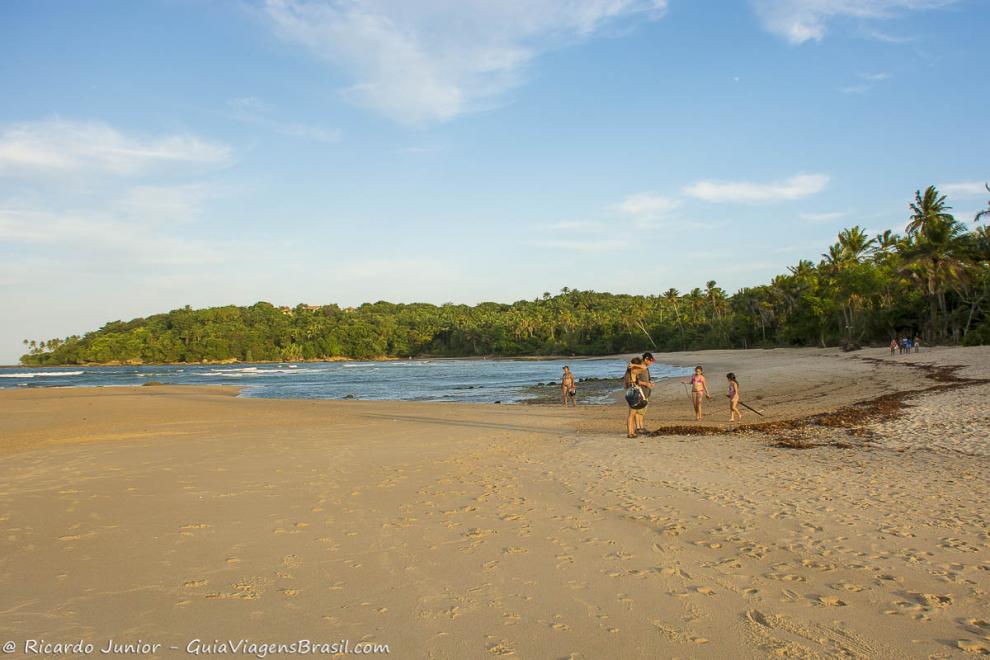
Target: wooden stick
(751, 408)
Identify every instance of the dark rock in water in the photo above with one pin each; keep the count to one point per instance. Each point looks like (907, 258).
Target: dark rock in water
(552, 382)
(349, 396)
(498, 402)
(540, 384)
(470, 387)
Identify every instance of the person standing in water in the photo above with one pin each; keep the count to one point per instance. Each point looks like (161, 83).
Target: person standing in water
(568, 390)
(734, 414)
(699, 389)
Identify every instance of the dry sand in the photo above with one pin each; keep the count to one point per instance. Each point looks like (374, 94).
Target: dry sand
(462, 531)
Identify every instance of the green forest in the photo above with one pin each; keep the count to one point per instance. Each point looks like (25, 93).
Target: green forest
(933, 281)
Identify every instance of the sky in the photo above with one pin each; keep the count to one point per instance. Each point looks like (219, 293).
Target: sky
(164, 153)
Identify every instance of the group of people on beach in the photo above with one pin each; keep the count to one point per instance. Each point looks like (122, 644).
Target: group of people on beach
(638, 385)
(905, 345)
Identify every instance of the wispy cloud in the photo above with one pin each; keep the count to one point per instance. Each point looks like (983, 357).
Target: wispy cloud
(253, 110)
(430, 61)
(871, 80)
(120, 240)
(964, 189)
(56, 146)
(874, 77)
(648, 205)
(796, 187)
(609, 245)
(885, 37)
(799, 21)
(578, 225)
(823, 217)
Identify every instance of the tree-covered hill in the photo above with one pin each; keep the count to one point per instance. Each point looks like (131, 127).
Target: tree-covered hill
(934, 281)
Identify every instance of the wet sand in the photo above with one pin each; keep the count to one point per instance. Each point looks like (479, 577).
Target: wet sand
(175, 513)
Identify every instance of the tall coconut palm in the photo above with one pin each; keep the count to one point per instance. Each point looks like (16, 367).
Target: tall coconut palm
(985, 213)
(804, 268)
(927, 209)
(888, 241)
(936, 258)
(855, 243)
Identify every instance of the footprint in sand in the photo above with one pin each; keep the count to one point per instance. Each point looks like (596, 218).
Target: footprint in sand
(934, 600)
(757, 617)
(830, 601)
(785, 577)
(194, 584)
(514, 550)
(977, 648)
(846, 586)
(501, 648)
(476, 533)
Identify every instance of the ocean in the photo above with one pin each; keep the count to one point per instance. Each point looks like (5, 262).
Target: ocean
(456, 380)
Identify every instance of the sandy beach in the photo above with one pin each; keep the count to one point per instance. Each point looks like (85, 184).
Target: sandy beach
(176, 514)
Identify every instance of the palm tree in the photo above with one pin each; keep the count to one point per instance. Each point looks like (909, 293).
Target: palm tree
(855, 243)
(671, 295)
(804, 268)
(985, 212)
(887, 241)
(926, 210)
(935, 257)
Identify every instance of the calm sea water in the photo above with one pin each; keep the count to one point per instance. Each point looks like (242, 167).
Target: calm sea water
(475, 381)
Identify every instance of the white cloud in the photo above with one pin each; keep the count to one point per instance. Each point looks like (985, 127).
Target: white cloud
(648, 205)
(879, 35)
(161, 204)
(823, 217)
(92, 148)
(106, 238)
(874, 77)
(799, 21)
(607, 245)
(963, 189)
(253, 110)
(432, 60)
(578, 225)
(796, 187)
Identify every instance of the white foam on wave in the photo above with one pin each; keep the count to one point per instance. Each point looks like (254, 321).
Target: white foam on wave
(255, 371)
(42, 374)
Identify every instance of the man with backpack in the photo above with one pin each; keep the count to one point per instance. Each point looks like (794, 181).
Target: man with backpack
(638, 385)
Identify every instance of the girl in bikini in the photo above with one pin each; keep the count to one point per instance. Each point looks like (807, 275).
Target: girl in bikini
(734, 414)
(699, 389)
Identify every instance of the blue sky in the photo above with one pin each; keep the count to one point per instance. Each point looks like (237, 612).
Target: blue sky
(168, 152)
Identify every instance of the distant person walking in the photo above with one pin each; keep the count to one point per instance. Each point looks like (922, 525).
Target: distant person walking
(699, 389)
(893, 346)
(568, 389)
(734, 414)
(638, 386)
(917, 344)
